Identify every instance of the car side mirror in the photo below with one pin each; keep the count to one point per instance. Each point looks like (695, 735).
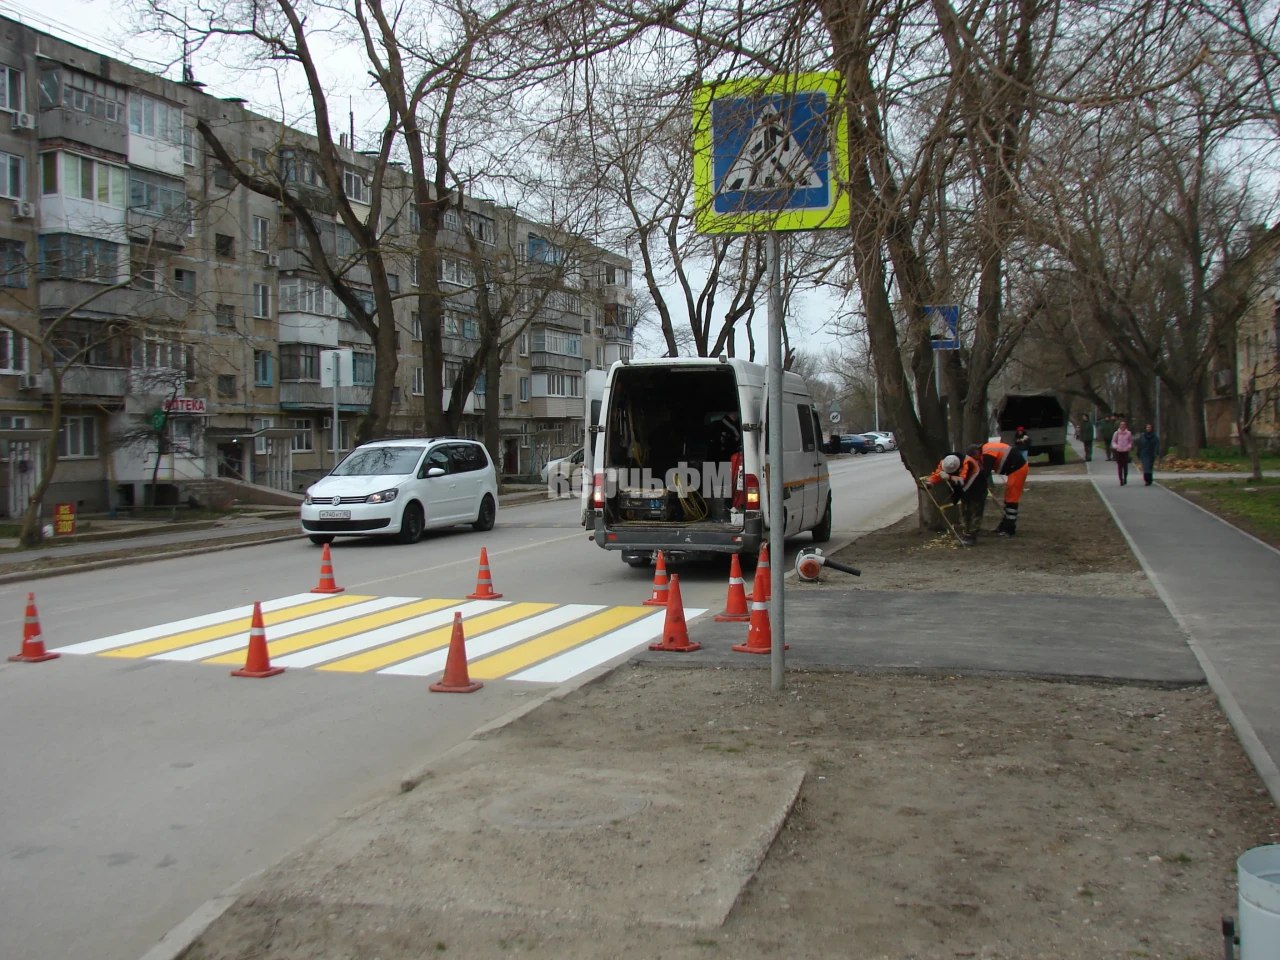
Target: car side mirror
(435, 472)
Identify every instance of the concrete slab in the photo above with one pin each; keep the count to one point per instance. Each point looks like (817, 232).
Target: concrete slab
(553, 826)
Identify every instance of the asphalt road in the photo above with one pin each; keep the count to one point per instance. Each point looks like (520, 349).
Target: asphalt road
(136, 788)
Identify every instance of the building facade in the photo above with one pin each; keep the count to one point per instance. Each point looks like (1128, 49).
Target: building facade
(184, 319)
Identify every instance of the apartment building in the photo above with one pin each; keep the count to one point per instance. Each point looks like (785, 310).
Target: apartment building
(183, 316)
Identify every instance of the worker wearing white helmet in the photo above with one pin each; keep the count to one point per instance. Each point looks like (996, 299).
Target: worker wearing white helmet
(967, 483)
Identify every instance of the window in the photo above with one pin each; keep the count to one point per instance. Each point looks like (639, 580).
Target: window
(13, 352)
(299, 361)
(223, 245)
(261, 234)
(262, 364)
(67, 256)
(154, 353)
(508, 404)
(145, 276)
(558, 342)
(542, 250)
(456, 272)
(419, 383)
(806, 415)
(8, 422)
(10, 88)
(524, 389)
(12, 177)
(413, 271)
(78, 438)
(190, 151)
(482, 228)
(155, 195)
(300, 295)
(226, 385)
(393, 282)
(355, 186)
(557, 385)
(524, 344)
(83, 178)
(184, 281)
(60, 87)
(261, 301)
(344, 436)
(155, 119)
(302, 440)
(362, 367)
(415, 326)
(13, 263)
(260, 443)
(224, 315)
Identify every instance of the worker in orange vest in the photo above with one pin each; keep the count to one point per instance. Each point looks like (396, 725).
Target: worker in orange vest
(963, 474)
(1009, 462)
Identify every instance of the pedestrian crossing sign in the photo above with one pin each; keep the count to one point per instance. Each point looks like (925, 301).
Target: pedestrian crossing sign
(770, 154)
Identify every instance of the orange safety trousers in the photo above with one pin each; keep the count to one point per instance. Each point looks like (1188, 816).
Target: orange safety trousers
(1014, 484)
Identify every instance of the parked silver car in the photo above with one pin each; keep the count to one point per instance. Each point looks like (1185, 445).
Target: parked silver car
(880, 441)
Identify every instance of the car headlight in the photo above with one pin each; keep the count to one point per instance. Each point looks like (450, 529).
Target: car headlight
(306, 499)
(382, 496)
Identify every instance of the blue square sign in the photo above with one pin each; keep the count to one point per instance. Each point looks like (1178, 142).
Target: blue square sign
(771, 152)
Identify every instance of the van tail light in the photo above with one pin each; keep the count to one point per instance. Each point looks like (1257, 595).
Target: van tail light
(597, 491)
(751, 488)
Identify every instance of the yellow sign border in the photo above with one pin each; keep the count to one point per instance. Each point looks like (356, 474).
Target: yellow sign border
(706, 220)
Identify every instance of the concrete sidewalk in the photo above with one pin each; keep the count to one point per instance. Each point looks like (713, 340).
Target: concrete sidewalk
(1223, 588)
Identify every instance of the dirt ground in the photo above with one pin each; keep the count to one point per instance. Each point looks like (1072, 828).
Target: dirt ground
(939, 817)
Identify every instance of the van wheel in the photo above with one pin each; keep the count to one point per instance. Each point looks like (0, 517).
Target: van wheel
(822, 532)
(320, 541)
(485, 517)
(411, 524)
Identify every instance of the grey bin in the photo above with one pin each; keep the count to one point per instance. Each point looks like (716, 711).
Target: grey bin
(1258, 880)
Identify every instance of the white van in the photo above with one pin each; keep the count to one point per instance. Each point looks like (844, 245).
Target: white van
(677, 460)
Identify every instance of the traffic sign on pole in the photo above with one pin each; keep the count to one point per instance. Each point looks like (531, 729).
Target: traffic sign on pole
(944, 322)
(770, 154)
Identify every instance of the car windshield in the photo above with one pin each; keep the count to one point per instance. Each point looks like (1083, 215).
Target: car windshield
(379, 462)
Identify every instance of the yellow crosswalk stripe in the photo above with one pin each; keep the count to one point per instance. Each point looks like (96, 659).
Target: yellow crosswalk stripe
(338, 631)
(391, 653)
(557, 641)
(190, 638)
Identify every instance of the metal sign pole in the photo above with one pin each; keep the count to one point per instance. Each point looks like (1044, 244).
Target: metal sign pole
(337, 376)
(777, 550)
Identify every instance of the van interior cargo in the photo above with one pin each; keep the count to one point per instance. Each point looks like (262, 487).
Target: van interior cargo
(660, 417)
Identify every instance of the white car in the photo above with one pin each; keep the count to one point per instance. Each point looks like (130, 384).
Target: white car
(399, 488)
(881, 441)
(563, 467)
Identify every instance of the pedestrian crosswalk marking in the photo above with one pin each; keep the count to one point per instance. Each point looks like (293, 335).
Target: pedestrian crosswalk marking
(191, 623)
(557, 641)
(234, 634)
(401, 636)
(407, 617)
(486, 643)
(434, 639)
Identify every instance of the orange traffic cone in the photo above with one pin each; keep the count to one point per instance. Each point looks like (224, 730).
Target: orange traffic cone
(455, 679)
(660, 589)
(762, 575)
(326, 584)
(32, 643)
(759, 634)
(675, 634)
(256, 661)
(484, 584)
(735, 604)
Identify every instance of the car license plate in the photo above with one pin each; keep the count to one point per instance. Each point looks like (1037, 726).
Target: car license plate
(335, 514)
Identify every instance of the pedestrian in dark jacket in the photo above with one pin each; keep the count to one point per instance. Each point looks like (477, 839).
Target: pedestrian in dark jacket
(1108, 430)
(1086, 436)
(1147, 447)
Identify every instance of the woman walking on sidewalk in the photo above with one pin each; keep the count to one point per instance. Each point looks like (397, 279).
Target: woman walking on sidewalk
(1147, 447)
(1121, 444)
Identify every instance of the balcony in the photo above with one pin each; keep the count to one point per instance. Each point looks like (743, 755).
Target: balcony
(309, 395)
(555, 408)
(63, 123)
(84, 381)
(541, 360)
(308, 328)
(57, 297)
(616, 333)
